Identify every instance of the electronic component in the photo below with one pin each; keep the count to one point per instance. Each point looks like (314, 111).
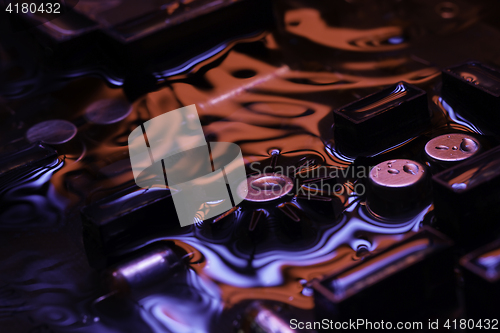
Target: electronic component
(25, 159)
(129, 21)
(146, 268)
(104, 117)
(476, 87)
(130, 39)
(124, 218)
(482, 281)
(52, 132)
(107, 111)
(260, 317)
(449, 149)
(452, 148)
(58, 133)
(466, 198)
(310, 209)
(418, 268)
(26, 174)
(397, 187)
(381, 120)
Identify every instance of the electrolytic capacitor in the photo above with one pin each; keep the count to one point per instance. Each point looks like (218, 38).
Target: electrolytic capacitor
(60, 134)
(143, 270)
(466, 199)
(52, 132)
(105, 116)
(449, 149)
(397, 187)
(107, 111)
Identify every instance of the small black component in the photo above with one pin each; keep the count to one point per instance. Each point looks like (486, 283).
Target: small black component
(115, 223)
(467, 197)
(381, 120)
(481, 272)
(476, 87)
(418, 268)
(24, 160)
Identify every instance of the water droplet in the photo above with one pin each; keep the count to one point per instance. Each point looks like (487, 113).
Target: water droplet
(411, 168)
(468, 145)
(454, 147)
(393, 171)
(459, 186)
(442, 147)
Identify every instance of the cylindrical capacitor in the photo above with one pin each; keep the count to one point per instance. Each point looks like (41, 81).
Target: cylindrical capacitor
(449, 149)
(143, 270)
(107, 111)
(397, 187)
(105, 116)
(60, 134)
(263, 318)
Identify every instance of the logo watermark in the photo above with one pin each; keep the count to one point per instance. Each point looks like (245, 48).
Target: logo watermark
(277, 181)
(170, 150)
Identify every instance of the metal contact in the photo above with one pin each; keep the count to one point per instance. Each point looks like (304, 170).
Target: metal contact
(453, 147)
(52, 132)
(397, 173)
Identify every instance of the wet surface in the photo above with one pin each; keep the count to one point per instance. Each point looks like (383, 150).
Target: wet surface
(273, 95)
